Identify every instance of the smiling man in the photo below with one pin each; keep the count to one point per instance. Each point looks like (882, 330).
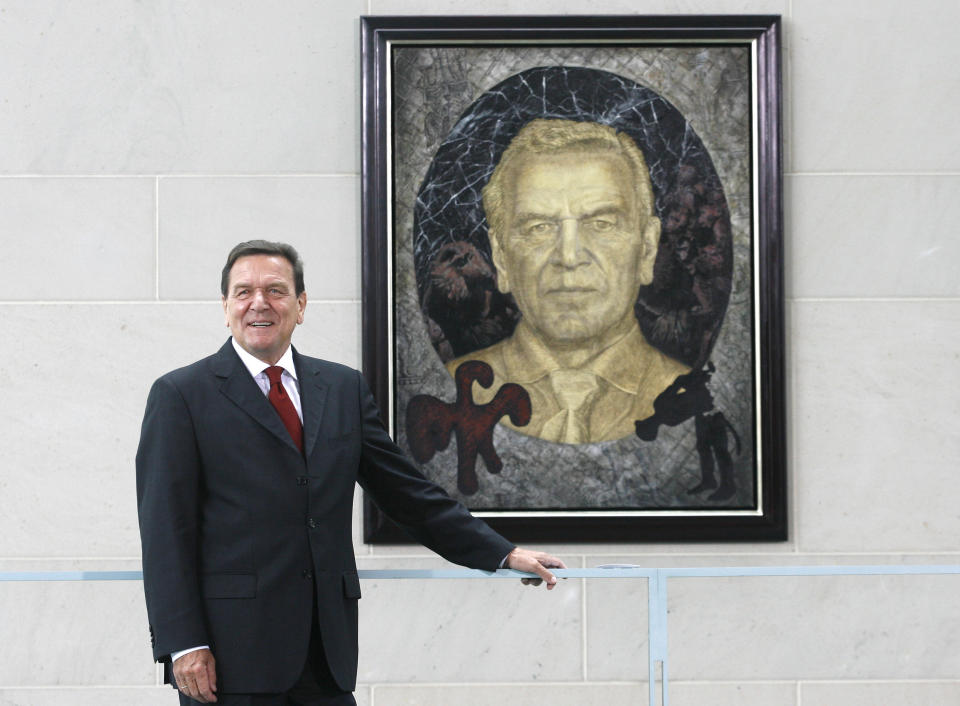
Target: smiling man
(263, 305)
(246, 471)
(573, 236)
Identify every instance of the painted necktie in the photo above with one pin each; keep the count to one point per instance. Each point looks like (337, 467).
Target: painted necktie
(573, 389)
(284, 405)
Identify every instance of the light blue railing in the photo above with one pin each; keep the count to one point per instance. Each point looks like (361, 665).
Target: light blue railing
(656, 589)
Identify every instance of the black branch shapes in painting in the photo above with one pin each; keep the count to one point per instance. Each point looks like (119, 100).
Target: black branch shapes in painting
(688, 396)
(430, 423)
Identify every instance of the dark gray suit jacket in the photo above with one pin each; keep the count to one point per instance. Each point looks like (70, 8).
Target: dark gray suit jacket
(241, 533)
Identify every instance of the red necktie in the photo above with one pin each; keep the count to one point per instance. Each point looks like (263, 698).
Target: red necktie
(281, 402)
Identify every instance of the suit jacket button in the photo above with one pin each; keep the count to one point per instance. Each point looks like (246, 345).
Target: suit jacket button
(307, 574)
(311, 523)
(302, 480)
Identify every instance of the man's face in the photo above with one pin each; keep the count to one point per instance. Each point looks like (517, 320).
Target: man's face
(261, 306)
(575, 249)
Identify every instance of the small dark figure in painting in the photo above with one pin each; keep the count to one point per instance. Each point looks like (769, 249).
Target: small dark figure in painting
(463, 300)
(430, 422)
(688, 397)
(683, 310)
(712, 442)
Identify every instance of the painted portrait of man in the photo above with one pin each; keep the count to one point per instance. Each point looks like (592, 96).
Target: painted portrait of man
(573, 237)
(565, 256)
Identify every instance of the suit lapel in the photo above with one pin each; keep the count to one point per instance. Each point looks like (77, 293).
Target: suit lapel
(240, 388)
(313, 398)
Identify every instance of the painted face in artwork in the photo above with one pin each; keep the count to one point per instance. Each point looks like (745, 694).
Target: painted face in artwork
(262, 307)
(575, 247)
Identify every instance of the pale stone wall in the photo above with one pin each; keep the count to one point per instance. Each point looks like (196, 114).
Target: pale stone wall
(140, 140)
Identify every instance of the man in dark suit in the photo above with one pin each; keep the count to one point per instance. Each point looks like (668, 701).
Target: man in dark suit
(245, 479)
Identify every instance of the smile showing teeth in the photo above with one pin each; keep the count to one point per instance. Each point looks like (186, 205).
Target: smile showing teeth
(261, 324)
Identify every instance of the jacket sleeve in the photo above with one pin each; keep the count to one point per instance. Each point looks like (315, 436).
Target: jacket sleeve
(419, 505)
(168, 488)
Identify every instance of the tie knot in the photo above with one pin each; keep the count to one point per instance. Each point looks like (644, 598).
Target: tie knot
(274, 372)
(572, 387)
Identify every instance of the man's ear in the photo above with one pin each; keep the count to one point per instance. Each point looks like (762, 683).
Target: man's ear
(301, 305)
(496, 253)
(650, 234)
(226, 316)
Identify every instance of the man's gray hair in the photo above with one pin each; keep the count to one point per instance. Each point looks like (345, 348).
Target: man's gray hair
(554, 136)
(263, 247)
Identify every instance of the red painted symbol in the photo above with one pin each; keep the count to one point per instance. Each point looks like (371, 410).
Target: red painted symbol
(430, 421)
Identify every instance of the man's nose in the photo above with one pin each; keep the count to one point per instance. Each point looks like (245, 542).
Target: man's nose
(259, 299)
(570, 247)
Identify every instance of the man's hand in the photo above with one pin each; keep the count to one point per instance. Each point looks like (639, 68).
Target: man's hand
(535, 563)
(196, 676)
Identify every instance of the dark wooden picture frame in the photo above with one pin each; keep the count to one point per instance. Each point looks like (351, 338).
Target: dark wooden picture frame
(702, 96)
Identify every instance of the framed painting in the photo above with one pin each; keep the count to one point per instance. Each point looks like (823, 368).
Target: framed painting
(572, 271)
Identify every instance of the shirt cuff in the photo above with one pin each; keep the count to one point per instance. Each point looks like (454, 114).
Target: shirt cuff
(174, 656)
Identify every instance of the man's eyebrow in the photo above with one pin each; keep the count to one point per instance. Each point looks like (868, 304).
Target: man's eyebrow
(534, 216)
(274, 283)
(603, 209)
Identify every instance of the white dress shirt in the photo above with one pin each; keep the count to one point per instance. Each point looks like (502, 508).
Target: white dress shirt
(258, 369)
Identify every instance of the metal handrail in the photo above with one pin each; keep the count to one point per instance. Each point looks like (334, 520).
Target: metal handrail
(656, 588)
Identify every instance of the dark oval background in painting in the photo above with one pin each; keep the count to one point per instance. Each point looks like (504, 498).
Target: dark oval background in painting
(680, 312)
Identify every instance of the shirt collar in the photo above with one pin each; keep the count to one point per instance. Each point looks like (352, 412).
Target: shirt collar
(528, 359)
(257, 366)
(526, 356)
(626, 363)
